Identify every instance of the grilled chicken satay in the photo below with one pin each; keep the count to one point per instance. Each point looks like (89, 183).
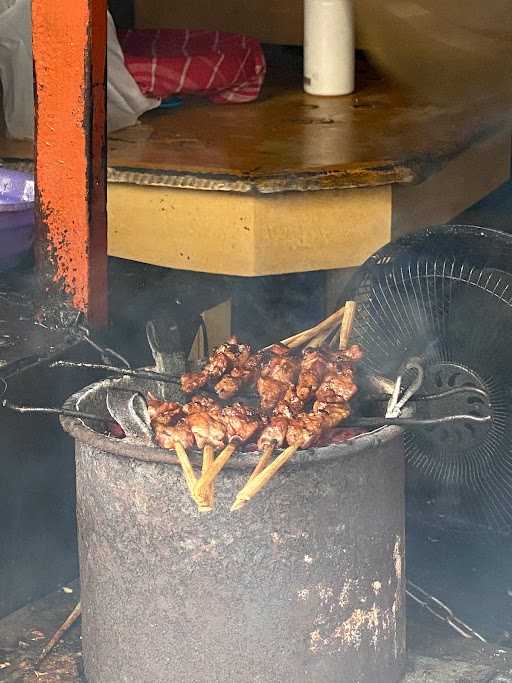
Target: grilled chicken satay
(317, 363)
(164, 412)
(241, 422)
(274, 433)
(304, 430)
(244, 375)
(352, 354)
(314, 366)
(277, 376)
(337, 386)
(225, 357)
(290, 405)
(168, 435)
(201, 403)
(331, 413)
(271, 391)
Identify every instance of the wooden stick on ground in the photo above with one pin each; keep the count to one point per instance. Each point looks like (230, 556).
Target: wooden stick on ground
(304, 337)
(347, 323)
(208, 477)
(208, 458)
(59, 633)
(255, 485)
(266, 456)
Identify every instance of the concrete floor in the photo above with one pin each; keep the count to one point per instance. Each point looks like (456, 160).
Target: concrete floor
(444, 656)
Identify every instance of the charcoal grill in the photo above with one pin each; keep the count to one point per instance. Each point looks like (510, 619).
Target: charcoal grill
(306, 584)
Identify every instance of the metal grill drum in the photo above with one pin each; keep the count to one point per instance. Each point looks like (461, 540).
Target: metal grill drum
(304, 584)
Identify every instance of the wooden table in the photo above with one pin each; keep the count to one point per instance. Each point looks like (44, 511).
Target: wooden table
(294, 182)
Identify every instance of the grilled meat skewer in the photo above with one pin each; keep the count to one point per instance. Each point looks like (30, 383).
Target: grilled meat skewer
(225, 357)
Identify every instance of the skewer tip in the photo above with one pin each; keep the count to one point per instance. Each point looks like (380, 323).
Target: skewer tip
(238, 504)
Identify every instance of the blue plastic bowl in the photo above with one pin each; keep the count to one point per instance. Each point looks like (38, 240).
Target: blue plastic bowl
(16, 217)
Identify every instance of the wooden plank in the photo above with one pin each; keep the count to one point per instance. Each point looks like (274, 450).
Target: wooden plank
(247, 235)
(69, 46)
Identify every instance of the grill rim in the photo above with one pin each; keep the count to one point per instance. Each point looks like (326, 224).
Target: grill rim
(244, 460)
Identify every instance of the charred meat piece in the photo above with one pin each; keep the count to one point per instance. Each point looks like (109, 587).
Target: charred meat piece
(241, 422)
(217, 365)
(274, 432)
(353, 354)
(276, 378)
(290, 405)
(224, 358)
(228, 386)
(279, 349)
(282, 368)
(331, 413)
(206, 429)
(271, 392)
(314, 367)
(244, 375)
(227, 356)
(192, 381)
(201, 403)
(168, 435)
(337, 386)
(304, 430)
(163, 412)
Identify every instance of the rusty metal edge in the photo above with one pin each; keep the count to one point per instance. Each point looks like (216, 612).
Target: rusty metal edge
(305, 182)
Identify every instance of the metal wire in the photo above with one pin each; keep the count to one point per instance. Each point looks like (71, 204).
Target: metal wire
(140, 374)
(52, 411)
(441, 611)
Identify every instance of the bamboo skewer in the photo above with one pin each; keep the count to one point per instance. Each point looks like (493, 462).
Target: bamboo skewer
(266, 456)
(190, 477)
(319, 339)
(208, 458)
(346, 324)
(255, 485)
(208, 477)
(302, 338)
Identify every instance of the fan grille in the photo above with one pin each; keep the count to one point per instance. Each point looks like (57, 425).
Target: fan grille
(445, 297)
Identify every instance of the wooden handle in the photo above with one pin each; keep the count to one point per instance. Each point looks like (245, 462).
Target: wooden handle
(255, 485)
(347, 323)
(213, 470)
(208, 458)
(266, 455)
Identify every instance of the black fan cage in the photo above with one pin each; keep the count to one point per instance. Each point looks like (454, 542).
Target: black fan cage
(445, 295)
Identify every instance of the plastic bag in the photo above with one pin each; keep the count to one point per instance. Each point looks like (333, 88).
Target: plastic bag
(125, 102)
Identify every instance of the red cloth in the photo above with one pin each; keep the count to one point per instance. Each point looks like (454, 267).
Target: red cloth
(226, 67)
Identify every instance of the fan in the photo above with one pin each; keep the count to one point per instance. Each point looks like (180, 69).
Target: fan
(445, 295)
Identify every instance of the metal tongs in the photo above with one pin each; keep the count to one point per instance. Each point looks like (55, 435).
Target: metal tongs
(398, 401)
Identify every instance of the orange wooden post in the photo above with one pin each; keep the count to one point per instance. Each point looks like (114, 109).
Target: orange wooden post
(69, 40)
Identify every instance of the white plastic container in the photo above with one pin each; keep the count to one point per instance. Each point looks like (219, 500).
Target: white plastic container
(329, 47)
